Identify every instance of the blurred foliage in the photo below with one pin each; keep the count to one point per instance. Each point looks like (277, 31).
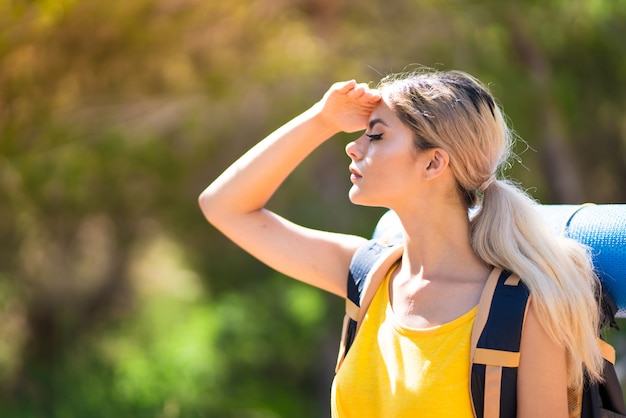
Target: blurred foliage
(116, 298)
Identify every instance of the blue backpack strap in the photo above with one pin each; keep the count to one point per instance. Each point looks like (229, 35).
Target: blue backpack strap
(495, 357)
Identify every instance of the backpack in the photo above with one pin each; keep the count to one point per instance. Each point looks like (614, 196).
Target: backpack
(496, 337)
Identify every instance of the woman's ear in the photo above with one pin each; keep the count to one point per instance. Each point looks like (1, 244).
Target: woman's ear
(437, 162)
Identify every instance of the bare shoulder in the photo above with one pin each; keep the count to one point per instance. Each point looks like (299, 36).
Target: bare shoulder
(542, 374)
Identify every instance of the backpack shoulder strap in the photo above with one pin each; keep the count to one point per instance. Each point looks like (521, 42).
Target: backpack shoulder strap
(606, 398)
(495, 349)
(367, 270)
(495, 356)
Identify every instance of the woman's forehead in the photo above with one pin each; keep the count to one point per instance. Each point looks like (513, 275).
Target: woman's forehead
(383, 113)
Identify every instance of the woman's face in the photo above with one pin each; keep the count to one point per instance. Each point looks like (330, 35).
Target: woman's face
(386, 167)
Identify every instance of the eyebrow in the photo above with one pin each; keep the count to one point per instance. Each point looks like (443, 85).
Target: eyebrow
(373, 122)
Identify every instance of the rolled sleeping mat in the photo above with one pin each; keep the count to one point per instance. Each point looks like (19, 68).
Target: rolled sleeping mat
(601, 227)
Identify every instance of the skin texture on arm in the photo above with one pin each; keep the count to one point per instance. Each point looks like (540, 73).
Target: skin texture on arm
(234, 202)
(542, 374)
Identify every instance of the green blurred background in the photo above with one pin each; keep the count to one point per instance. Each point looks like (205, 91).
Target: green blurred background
(117, 299)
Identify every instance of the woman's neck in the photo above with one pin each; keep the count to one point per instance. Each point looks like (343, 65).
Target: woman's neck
(437, 243)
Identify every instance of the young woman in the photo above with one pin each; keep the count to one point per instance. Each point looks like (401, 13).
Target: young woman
(432, 145)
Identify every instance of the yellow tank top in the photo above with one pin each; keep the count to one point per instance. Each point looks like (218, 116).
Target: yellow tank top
(395, 371)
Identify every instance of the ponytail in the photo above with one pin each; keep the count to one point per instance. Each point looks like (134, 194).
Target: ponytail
(507, 232)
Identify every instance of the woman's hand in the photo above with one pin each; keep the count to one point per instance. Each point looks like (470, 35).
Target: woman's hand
(347, 106)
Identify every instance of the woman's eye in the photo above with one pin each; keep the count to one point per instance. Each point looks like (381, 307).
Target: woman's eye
(374, 137)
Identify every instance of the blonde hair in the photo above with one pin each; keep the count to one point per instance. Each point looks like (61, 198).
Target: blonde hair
(454, 111)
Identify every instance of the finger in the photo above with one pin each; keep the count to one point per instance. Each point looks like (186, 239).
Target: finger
(358, 90)
(373, 95)
(345, 86)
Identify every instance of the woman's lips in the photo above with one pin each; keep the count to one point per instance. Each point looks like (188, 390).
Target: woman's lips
(354, 174)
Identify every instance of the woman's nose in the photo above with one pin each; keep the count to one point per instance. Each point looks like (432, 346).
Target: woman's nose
(353, 149)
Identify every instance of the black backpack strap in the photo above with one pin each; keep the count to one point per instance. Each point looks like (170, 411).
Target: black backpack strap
(495, 357)
(363, 260)
(605, 399)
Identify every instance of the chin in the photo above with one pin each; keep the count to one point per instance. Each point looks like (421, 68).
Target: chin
(358, 198)
(354, 196)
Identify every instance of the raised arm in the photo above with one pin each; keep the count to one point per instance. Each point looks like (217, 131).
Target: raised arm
(234, 202)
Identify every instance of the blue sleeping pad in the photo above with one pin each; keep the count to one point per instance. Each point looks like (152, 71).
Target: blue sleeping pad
(601, 227)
